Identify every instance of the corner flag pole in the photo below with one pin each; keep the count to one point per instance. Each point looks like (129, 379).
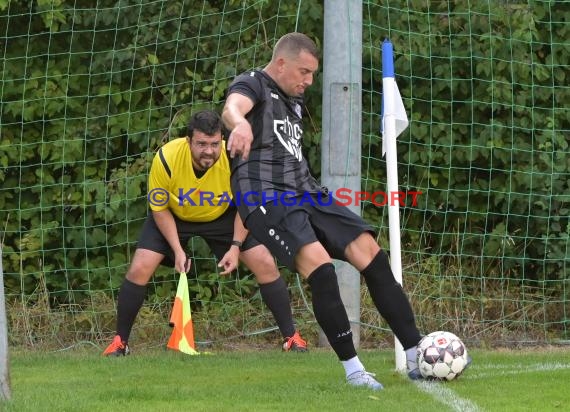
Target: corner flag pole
(394, 121)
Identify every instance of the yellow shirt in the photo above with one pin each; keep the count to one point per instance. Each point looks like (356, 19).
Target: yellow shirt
(173, 185)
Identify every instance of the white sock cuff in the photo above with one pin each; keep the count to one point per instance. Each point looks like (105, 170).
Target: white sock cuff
(352, 365)
(411, 357)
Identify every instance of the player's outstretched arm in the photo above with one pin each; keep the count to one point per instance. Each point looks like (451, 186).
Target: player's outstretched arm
(233, 115)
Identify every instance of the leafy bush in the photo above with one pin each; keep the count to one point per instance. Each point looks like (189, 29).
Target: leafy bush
(89, 94)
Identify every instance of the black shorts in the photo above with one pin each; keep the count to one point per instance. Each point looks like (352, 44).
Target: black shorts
(285, 229)
(218, 234)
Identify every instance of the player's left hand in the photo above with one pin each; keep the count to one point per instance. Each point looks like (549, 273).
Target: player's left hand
(230, 261)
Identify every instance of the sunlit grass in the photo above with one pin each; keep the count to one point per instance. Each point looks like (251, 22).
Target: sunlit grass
(274, 381)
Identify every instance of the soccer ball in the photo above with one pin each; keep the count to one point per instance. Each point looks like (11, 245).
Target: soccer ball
(441, 356)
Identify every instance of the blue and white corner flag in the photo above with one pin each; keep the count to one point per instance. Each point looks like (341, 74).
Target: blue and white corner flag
(392, 104)
(394, 122)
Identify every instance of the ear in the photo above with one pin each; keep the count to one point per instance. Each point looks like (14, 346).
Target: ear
(281, 63)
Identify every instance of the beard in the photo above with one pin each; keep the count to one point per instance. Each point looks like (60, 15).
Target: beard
(205, 162)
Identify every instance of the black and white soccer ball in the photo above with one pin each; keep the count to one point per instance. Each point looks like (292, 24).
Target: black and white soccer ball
(441, 356)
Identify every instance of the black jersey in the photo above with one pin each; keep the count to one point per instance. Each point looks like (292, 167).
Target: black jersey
(276, 164)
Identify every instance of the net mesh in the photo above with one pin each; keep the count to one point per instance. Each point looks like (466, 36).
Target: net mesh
(88, 93)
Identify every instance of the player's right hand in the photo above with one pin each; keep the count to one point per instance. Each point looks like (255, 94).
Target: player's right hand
(182, 262)
(239, 142)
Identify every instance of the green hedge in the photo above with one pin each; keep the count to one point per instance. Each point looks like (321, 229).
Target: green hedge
(88, 94)
(487, 92)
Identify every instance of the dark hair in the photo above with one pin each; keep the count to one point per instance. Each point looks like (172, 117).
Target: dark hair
(295, 42)
(206, 121)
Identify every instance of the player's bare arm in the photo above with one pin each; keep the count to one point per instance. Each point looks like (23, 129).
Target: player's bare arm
(165, 222)
(233, 115)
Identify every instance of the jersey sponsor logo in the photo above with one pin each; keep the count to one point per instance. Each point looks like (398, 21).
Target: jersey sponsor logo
(289, 134)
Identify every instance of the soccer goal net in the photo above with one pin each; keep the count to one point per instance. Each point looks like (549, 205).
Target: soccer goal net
(89, 92)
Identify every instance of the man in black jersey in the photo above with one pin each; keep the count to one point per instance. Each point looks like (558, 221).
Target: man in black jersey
(198, 164)
(263, 110)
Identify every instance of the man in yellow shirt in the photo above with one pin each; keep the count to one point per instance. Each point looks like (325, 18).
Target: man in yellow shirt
(189, 195)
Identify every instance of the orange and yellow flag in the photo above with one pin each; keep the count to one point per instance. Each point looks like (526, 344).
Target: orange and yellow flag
(182, 337)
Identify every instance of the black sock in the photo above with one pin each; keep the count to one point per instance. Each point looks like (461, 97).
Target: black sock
(129, 302)
(391, 301)
(276, 297)
(330, 312)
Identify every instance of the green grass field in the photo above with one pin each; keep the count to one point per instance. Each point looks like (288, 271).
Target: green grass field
(269, 380)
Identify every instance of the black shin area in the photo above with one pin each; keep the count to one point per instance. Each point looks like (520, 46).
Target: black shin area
(129, 302)
(276, 297)
(390, 300)
(330, 312)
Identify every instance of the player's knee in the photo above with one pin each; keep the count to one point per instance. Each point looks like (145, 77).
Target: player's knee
(139, 273)
(362, 250)
(261, 263)
(264, 278)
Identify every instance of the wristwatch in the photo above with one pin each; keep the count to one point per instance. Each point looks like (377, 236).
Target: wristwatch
(237, 243)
